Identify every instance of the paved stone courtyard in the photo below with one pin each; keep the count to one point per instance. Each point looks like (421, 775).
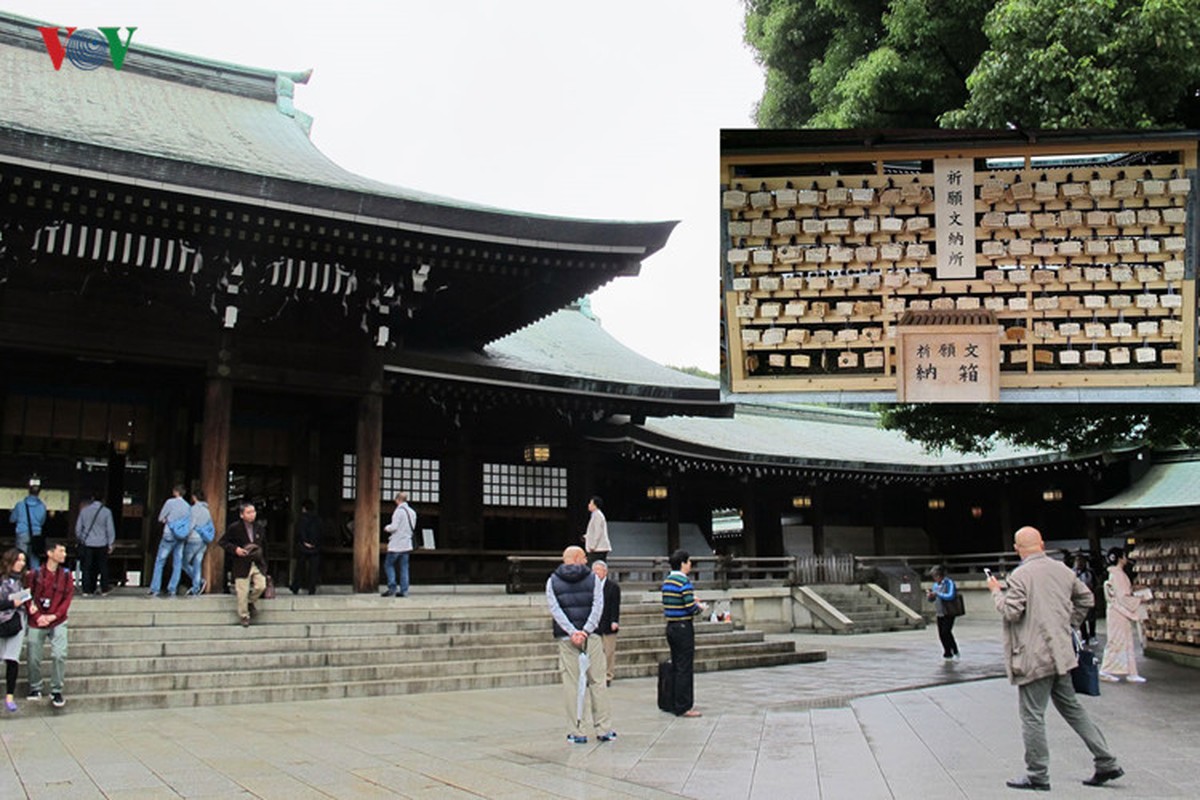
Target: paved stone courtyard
(884, 717)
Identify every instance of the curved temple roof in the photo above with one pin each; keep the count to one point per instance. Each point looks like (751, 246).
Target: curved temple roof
(569, 352)
(817, 438)
(1165, 488)
(201, 126)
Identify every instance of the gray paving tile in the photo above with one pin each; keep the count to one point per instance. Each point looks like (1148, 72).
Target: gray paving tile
(884, 717)
(845, 765)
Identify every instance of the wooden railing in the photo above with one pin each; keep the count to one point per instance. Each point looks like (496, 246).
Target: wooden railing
(960, 566)
(529, 573)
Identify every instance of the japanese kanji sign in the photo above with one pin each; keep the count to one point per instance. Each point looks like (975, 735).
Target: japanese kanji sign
(954, 201)
(947, 362)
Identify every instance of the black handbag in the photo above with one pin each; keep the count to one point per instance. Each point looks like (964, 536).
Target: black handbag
(954, 606)
(11, 626)
(1085, 677)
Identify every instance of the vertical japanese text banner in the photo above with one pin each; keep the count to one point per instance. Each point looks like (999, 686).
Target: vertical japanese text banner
(954, 201)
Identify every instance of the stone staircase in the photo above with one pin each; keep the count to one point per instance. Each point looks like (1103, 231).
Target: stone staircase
(867, 608)
(131, 652)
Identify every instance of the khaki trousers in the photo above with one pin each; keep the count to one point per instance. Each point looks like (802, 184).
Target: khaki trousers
(248, 590)
(610, 654)
(596, 697)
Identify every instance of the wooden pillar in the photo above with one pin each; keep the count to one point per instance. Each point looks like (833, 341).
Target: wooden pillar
(461, 520)
(750, 529)
(818, 523)
(304, 442)
(878, 537)
(769, 520)
(1091, 524)
(673, 500)
(581, 486)
(214, 470)
(114, 494)
(368, 492)
(1005, 539)
(160, 477)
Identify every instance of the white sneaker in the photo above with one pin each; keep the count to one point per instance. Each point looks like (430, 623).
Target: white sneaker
(1135, 679)
(1104, 676)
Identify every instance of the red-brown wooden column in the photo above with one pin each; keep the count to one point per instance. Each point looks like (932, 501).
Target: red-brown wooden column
(368, 492)
(214, 469)
(673, 502)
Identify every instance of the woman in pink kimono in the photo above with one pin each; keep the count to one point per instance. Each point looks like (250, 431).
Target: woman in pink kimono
(1124, 609)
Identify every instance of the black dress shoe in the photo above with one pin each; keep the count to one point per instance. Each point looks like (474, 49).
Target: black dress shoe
(1028, 783)
(1103, 776)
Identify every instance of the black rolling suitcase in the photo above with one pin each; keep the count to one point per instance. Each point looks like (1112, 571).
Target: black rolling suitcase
(666, 686)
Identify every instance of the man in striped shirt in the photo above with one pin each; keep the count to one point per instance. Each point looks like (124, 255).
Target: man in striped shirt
(679, 606)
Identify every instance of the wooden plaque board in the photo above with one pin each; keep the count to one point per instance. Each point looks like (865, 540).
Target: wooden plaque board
(948, 357)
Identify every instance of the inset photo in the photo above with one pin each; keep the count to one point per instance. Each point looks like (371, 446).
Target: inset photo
(959, 266)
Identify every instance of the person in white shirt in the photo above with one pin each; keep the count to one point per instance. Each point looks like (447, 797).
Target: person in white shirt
(595, 539)
(400, 544)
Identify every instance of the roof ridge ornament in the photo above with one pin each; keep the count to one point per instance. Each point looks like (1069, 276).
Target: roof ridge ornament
(285, 93)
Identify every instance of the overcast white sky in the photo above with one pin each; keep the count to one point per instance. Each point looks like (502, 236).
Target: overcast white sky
(605, 110)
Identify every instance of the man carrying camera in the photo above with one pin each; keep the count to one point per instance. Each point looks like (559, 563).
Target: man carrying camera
(245, 544)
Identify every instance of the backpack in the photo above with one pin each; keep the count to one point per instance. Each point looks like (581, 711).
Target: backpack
(207, 531)
(180, 528)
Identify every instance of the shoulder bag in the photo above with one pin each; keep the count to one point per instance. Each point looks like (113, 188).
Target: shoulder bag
(1085, 677)
(955, 606)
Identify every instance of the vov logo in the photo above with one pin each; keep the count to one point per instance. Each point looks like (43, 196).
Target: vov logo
(87, 48)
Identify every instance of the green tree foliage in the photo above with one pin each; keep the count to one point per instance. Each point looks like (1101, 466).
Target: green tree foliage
(864, 63)
(1076, 428)
(696, 372)
(987, 63)
(1086, 63)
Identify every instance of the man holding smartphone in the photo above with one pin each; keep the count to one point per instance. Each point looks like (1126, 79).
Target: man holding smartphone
(1043, 603)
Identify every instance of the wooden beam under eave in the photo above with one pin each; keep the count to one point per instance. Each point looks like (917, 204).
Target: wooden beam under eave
(958, 149)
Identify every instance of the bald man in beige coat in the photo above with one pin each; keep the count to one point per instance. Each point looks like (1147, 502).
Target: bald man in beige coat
(1043, 603)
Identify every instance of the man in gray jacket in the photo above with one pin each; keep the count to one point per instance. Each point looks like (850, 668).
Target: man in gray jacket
(96, 533)
(1043, 603)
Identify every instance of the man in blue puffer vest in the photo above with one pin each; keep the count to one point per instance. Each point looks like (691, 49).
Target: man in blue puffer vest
(576, 601)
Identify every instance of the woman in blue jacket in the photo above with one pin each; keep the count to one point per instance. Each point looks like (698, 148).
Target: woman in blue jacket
(942, 592)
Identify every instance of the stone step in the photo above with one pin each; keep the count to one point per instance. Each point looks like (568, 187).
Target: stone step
(272, 674)
(877, 629)
(222, 611)
(278, 626)
(638, 650)
(271, 626)
(279, 692)
(875, 617)
(137, 653)
(91, 612)
(652, 656)
(851, 611)
(239, 641)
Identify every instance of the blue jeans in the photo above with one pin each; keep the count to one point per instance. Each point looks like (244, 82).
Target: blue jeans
(193, 557)
(168, 547)
(24, 546)
(389, 569)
